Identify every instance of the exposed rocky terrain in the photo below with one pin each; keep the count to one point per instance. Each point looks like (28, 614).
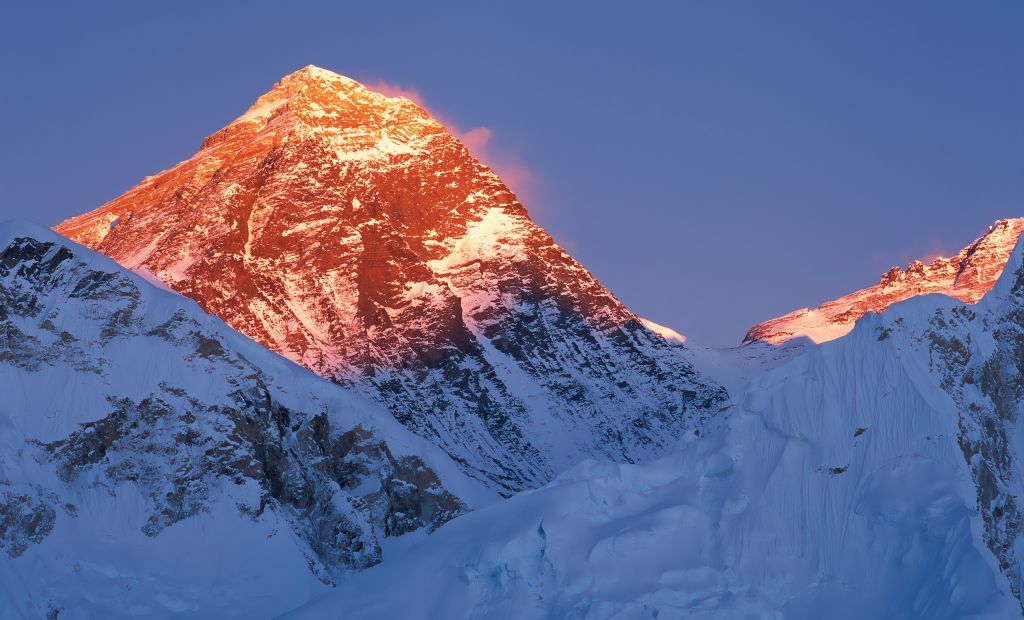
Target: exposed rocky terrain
(967, 277)
(113, 389)
(351, 233)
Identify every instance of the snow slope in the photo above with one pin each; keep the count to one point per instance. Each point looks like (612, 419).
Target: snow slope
(874, 476)
(155, 463)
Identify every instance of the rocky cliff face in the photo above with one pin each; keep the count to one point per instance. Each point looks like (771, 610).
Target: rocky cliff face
(351, 233)
(979, 355)
(129, 414)
(967, 277)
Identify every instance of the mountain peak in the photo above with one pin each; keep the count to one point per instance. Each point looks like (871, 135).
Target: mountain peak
(966, 276)
(314, 98)
(312, 78)
(351, 233)
(1009, 280)
(315, 72)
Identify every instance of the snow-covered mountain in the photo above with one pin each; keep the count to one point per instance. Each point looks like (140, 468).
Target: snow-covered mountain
(351, 233)
(875, 476)
(155, 463)
(966, 276)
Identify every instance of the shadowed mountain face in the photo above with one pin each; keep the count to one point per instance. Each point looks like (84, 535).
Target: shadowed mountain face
(967, 277)
(137, 430)
(351, 233)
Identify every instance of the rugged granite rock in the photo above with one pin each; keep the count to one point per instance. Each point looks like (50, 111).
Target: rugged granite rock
(351, 233)
(967, 277)
(979, 353)
(113, 388)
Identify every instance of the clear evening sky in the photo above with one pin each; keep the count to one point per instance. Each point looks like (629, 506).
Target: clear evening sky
(713, 163)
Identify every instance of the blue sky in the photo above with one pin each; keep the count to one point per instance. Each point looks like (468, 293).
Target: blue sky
(713, 163)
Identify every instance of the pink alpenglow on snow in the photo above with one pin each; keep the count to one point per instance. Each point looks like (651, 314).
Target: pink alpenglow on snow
(356, 235)
(967, 277)
(667, 333)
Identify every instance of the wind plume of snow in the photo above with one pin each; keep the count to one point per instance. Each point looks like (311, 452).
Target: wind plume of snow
(667, 333)
(478, 140)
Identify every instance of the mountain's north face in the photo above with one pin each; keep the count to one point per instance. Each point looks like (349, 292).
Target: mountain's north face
(967, 276)
(351, 233)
